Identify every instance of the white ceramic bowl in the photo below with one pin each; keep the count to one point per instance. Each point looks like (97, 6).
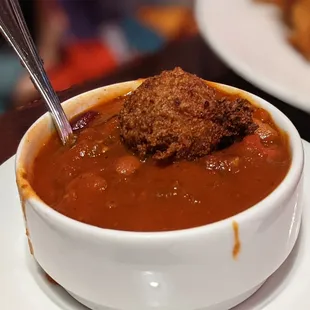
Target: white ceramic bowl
(179, 270)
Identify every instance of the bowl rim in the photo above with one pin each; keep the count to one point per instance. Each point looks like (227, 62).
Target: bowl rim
(276, 198)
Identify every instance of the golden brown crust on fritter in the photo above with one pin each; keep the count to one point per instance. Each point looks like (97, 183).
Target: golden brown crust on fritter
(177, 115)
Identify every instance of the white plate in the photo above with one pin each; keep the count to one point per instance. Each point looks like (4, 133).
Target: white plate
(252, 39)
(23, 285)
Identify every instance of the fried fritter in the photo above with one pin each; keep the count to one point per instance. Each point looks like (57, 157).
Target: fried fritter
(296, 14)
(176, 115)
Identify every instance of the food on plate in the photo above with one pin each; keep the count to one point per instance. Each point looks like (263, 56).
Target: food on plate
(175, 153)
(296, 14)
(177, 115)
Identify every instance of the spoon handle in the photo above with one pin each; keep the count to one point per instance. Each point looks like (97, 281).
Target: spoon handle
(15, 30)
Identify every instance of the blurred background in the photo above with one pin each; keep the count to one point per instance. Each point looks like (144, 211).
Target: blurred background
(80, 40)
(261, 46)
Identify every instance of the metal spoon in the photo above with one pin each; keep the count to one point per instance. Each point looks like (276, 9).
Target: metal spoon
(15, 30)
